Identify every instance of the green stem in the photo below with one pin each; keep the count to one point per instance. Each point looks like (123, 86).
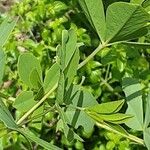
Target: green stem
(129, 136)
(100, 47)
(7, 97)
(37, 105)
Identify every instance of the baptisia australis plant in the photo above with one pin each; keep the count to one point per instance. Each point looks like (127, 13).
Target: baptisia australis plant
(73, 104)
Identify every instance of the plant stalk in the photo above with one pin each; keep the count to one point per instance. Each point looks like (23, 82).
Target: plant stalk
(100, 47)
(129, 136)
(37, 105)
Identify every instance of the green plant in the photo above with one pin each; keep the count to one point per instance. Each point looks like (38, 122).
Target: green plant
(70, 103)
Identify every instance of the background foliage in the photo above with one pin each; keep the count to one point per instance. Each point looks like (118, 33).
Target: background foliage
(39, 31)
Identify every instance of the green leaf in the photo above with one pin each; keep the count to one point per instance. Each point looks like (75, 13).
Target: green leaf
(78, 97)
(94, 11)
(2, 64)
(69, 133)
(5, 29)
(132, 90)
(117, 118)
(29, 135)
(137, 1)
(6, 117)
(60, 89)
(71, 69)
(68, 48)
(147, 113)
(124, 19)
(107, 108)
(36, 118)
(51, 77)
(35, 79)
(24, 101)
(26, 64)
(71, 46)
(3, 129)
(68, 54)
(147, 138)
(146, 3)
(118, 128)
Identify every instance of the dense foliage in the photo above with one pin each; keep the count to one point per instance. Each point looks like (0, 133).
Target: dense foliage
(75, 74)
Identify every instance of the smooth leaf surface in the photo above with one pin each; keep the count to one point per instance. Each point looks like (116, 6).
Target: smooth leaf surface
(35, 79)
(42, 143)
(107, 108)
(51, 77)
(94, 11)
(24, 101)
(6, 117)
(60, 89)
(78, 97)
(26, 64)
(69, 133)
(124, 19)
(147, 113)
(71, 69)
(5, 29)
(117, 118)
(117, 127)
(2, 65)
(132, 89)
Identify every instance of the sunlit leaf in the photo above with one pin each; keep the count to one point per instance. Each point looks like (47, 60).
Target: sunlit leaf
(5, 29)
(147, 113)
(51, 77)
(107, 108)
(132, 89)
(94, 11)
(24, 101)
(124, 19)
(26, 64)
(2, 65)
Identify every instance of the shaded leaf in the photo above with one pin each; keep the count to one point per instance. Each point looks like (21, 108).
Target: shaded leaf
(2, 64)
(78, 97)
(69, 133)
(6, 117)
(117, 128)
(146, 3)
(71, 69)
(26, 64)
(124, 19)
(94, 11)
(132, 90)
(35, 79)
(107, 108)
(29, 135)
(24, 101)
